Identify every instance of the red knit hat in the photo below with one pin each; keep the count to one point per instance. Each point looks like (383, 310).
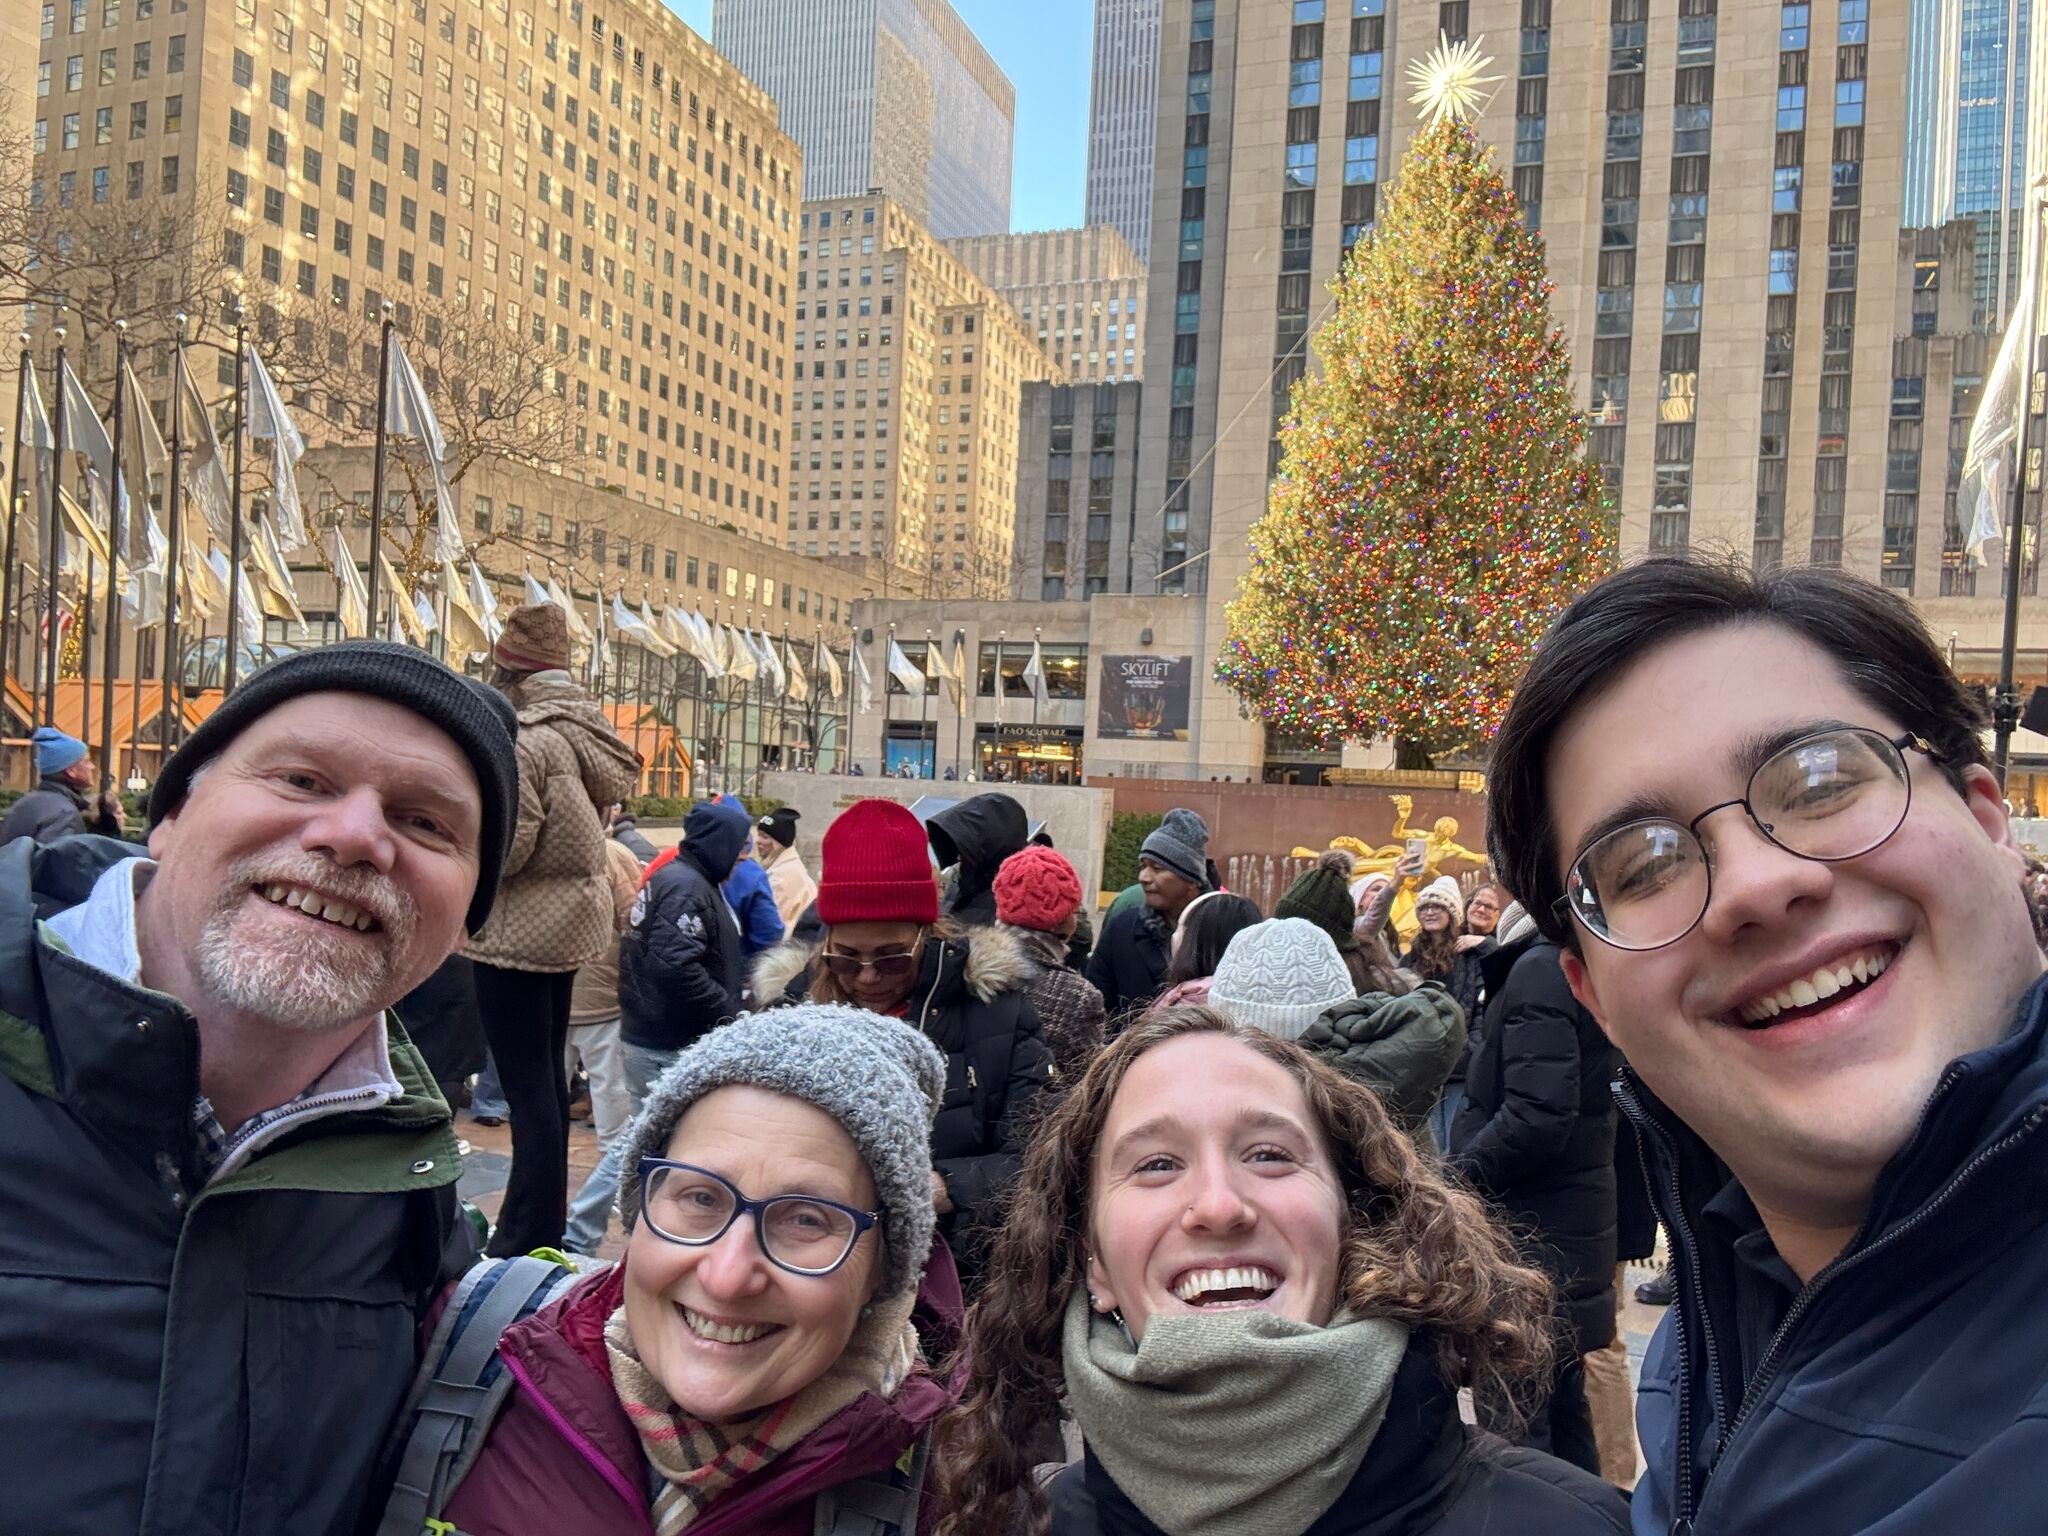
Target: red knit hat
(1036, 888)
(877, 867)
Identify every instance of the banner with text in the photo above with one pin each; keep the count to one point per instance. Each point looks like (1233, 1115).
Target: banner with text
(1144, 698)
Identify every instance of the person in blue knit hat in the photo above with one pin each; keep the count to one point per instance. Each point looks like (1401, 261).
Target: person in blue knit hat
(62, 804)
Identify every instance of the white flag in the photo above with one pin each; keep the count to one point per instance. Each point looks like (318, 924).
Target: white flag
(1987, 476)
(771, 663)
(35, 435)
(143, 596)
(1034, 672)
(205, 467)
(704, 645)
(901, 669)
(250, 614)
(640, 627)
(484, 602)
(148, 459)
(462, 621)
(799, 686)
(84, 432)
(273, 577)
(352, 598)
(410, 413)
(205, 596)
(835, 679)
(741, 662)
(535, 592)
(863, 683)
(402, 612)
(579, 631)
(936, 660)
(268, 418)
(660, 644)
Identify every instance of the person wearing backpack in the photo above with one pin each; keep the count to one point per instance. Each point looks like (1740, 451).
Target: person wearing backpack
(771, 1353)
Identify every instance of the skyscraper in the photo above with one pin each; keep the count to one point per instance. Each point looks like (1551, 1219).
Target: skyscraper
(1122, 113)
(1718, 186)
(895, 95)
(1079, 291)
(1969, 105)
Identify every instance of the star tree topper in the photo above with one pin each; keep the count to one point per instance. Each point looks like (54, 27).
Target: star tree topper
(1450, 83)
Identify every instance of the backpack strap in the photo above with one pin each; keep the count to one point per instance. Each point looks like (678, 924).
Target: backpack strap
(879, 1506)
(460, 1386)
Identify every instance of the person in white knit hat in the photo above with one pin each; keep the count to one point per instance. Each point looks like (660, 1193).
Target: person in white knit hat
(1280, 976)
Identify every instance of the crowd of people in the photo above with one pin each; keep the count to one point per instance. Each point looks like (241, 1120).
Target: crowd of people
(944, 1212)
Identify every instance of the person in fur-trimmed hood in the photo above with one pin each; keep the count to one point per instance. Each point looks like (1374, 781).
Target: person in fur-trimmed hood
(885, 950)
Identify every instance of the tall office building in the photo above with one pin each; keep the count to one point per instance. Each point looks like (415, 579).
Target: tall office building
(602, 186)
(1122, 103)
(1718, 184)
(905, 401)
(896, 95)
(1970, 100)
(1080, 292)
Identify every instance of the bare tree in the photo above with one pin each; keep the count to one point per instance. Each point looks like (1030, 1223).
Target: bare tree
(498, 393)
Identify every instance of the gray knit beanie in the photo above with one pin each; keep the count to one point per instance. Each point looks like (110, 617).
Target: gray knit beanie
(1181, 843)
(1280, 976)
(879, 1078)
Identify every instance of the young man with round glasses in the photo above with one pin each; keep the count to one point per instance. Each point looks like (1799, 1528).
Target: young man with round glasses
(1756, 812)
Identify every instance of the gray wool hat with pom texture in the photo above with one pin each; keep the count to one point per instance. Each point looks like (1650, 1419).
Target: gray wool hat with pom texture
(880, 1079)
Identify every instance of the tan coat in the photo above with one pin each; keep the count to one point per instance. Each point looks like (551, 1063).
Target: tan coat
(793, 886)
(554, 907)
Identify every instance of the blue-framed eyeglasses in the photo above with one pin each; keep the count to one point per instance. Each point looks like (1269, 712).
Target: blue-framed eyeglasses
(804, 1234)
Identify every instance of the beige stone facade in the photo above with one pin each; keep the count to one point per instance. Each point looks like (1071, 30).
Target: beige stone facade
(601, 182)
(1719, 191)
(905, 390)
(1080, 292)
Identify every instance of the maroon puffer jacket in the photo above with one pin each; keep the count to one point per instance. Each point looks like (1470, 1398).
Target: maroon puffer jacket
(563, 1457)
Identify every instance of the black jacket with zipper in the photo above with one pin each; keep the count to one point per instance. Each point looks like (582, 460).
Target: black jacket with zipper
(1536, 1133)
(183, 1357)
(1906, 1391)
(969, 1001)
(1128, 966)
(1426, 1473)
(679, 958)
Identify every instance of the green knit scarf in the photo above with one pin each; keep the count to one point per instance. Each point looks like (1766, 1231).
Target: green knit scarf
(1242, 1424)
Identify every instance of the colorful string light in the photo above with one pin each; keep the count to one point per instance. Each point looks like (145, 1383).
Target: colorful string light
(1435, 506)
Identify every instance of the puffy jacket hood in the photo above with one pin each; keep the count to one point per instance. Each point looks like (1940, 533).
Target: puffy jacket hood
(607, 765)
(977, 835)
(713, 834)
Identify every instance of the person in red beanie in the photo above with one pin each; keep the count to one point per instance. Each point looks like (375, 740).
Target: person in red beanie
(1038, 898)
(887, 950)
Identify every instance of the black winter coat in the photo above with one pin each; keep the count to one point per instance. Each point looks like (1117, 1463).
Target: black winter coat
(55, 809)
(679, 959)
(969, 1001)
(1466, 981)
(1426, 1474)
(977, 835)
(1129, 964)
(182, 1356)
(1536, 1134)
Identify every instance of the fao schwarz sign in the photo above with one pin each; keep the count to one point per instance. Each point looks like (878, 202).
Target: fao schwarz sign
(1144, 698)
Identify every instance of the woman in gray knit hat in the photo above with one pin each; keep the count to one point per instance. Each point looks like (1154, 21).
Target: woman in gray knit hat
(771, 1338)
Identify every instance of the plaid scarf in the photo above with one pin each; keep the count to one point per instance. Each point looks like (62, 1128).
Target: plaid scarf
(700, 1461)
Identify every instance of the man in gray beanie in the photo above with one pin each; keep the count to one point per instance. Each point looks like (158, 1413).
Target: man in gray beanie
(197, 1069)
(1129, 964)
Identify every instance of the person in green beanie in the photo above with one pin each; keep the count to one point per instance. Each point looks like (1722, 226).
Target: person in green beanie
(1322, 894)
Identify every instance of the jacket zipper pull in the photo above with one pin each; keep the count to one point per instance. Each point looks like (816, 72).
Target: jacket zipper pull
(1682, 1526)
(972, 1080)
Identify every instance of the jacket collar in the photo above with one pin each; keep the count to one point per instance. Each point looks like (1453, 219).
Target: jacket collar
(54, 786)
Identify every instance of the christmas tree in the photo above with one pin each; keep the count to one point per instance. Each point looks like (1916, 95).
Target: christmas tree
(1435, 507)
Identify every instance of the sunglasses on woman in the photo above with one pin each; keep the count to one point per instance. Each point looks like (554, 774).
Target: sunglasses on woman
(891, 965)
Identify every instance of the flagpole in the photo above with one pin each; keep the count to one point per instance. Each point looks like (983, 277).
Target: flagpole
(960, 699)
(2005, 709)
(116, 532)
(53, 555)
(888, 699)
(85, 654)
(165, 731)
(236, 534)
(995, 750)
(1038, 682)
(782, 709)
(924, 711)
(377, 461)
(7, 592)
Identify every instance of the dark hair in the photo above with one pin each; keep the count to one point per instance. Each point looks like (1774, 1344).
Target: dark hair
(1210, 928)
(1873, 636)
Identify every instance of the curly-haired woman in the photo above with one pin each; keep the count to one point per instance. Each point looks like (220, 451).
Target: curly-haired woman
(1259, 1300)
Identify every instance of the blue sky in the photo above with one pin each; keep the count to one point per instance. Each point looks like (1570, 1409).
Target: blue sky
(1043, 46)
